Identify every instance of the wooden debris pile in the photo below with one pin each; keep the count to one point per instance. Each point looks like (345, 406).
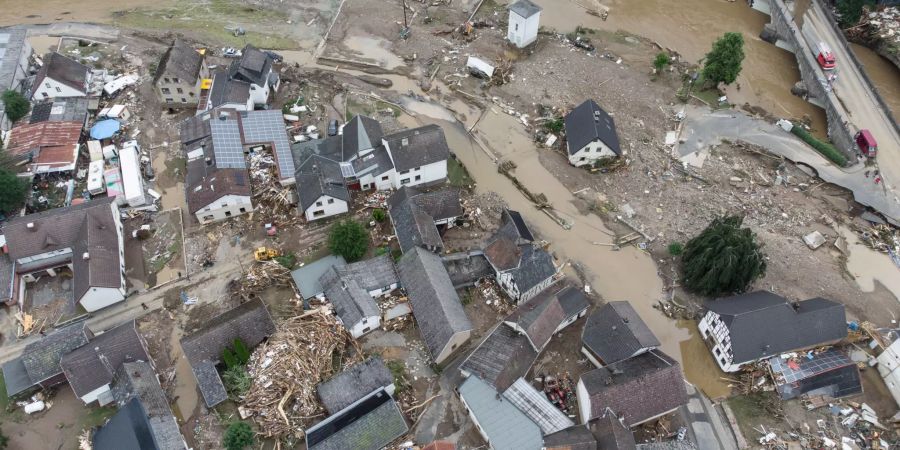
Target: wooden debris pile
(285, 370)
(262, 274)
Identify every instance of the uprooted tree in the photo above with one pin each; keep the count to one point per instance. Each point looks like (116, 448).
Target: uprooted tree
(723, 259)
(349, 239)
(723, 63)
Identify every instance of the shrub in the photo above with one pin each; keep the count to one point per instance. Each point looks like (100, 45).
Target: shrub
(287, 260)
(723, 259)
(349, 239)
(229, 358)
(827, 150)
(236, 380)
(723, 62)
(12, 191)
(662, 60)
(555, 126)
(241, 352)
(238, 436)
(16, 105)
(676, 248)
(378, 215)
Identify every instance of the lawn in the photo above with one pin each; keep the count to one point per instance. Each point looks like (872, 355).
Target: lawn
(457, 174)
(750, 412)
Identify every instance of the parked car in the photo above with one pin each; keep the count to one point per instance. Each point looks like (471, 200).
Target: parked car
(333, 127)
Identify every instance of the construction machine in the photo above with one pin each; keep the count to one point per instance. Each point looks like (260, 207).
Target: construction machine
(265, 253)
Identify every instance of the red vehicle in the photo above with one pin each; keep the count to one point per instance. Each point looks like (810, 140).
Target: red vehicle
(825, 56)
(866, 143)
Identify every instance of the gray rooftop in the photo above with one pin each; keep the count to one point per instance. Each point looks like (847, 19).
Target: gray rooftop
(68, 109)
(413, 214)
(587, 123)
(128, 428)
(417, 147)
(139, 380)
(371, 274)
(360, 133)
(267, 127)
(41, 357)
(370, 423)
(354, 383)
(307, 277)
(180, 61)
(351, 302)
(615, 332)
(93, 365)
(525, 8)
(610, 432)
(226, 91)
(7, 269)
(12, 43)
(536, 406)
(16, 377)
(505, 426)
(501, 358)
(576, 437)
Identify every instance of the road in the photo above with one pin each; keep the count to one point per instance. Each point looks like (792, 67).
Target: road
(709, 430)
(855, 95)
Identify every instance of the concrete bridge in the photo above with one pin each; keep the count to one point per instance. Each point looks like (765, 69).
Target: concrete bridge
(851, 102)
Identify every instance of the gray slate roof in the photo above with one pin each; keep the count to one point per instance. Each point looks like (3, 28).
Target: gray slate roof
(572, 300)
(12, 44)
(576, 437)
(371, 274)
(360, 133)
(354, 383)
(611, 433)
(227, 91)
(180, 61)
(320, 177)
(206, 182)
(539, 317)
(424, 145)
(763, 324)
(435, 303)
(16, 377)
(41, 357)
(501, 358)
(636, 389)
(369, 424)
(505, 426)
(525, 8)
(138, 380)
(414, 213)
(128, 428)
(513, 226)
(351, 302)
(209, 383)
(587, 123)
(614, 332)
(535, 405)
(7, 269)
(93, 365)
(535, 266)
(64, 70)
(307, 277)
(67, 109)
(253, 66)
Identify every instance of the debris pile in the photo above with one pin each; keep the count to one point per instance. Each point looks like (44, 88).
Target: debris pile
(885, 239)
(285, 370)
(261, 275)
(881, 28)
(560, 390)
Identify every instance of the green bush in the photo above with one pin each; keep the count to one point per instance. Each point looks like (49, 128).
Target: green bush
(236, 380)
(238, 436)
(229, 358)
(349, 239)
(723, 63)
(378, 215)
(662, 60)
(676, 248)
(287, 260)
(555, 126)
(12, 191)
(16, 105)
(826, 149)
(241, 352)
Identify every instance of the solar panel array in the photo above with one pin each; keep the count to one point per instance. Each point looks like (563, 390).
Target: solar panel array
(268, 126)
(227, 145)
(822, 362)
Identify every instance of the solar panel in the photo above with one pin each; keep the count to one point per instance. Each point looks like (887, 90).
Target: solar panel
(268, 127)
(227, 145)
(822, 362)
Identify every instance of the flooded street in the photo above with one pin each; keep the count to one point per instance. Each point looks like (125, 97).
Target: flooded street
(867, 265)
(186, 387)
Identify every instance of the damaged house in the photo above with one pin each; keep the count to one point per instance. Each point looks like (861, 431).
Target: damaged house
(38, 365)
(522, 268)
(354, 383)
(61, 77)
(590, 135)
(47, 146)
(547, 314)
(420, 218)
(370, 423)
(754, 326)
(180, 75)
(615, 332)
(352, 289)
(831, 373)
(247, 82)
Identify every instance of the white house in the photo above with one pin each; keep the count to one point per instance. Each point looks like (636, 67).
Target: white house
(590, 135)
(750, 327)
(61, 77)
(420, 218)
(615, 332)
(419, 156)
(889, 368)
(217, 189)
(521, 267)
(547, 314)
(352, 289)
(322, 196)
(255, 68)
(524, 23)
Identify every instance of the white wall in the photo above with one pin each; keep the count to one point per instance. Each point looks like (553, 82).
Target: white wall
(584, 402)
(53, 89)
(592, 152)
(436, 171)
(259, 95)
(100, 297)
(523, 31)
(537, 289)
(382, 181)
(714, 330)
(223, 208)
(506, 284)
(93, 395)
(132, 178)
(455, 342)
(475, 421)
(330, 206)
(360, 328)
(570, 321)
(889, 368)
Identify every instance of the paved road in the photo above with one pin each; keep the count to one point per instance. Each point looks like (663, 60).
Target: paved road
(709, 430)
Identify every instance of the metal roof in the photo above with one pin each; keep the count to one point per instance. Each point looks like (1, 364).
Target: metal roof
(307, 277)
(525, 8)
(504, 425)
(536, 406)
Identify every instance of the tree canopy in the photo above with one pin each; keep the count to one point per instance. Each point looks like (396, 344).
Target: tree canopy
(723, 62)
(16, 105)
(723, 259)
(349, 239)
(12, 191)
(238, 436)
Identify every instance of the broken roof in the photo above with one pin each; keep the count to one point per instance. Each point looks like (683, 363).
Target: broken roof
(501, 358)
(351, 302)
(372, 274)
(417, 147)
(63, 70)
(763, 324)
(525, 8)
(502, 423)
(93, 365)
(31, 137)
(615, 332)
(266, 127)
(535, 405)
(138, 380)
(542, 315)
(636, 389)
(370, 423)
(414, 213)
(307, 277)
(354, 383)
(66, 109)
(435, 303)
(588, 123)
(180, 61)
(830, 371)
(41, 357)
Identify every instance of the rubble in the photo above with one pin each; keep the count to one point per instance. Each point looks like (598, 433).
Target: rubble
(262, 274)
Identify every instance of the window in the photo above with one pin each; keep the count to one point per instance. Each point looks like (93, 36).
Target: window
(517, 27)
(168, 100)
(318, 203)
(252, 87)
(365, 320)
(418, 177)
(44, 94)
(366, 330)
(166, 90)
(165, 79)
(47, 85)
(227, 213)
(224, 205)
(318, 213)
(207, 217)
(175, 80)
(191, 93)
(718, 352)
(330, 201)
(180, 90)
(183, 100)
(243, 210)
(404, 172)
(384, 178)
(404, 181)
(582, 158)
(58, 89)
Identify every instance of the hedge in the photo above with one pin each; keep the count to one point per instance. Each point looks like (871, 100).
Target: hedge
(827, 150)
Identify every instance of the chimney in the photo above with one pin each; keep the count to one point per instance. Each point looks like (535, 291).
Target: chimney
(404, 142)
(208, 161)
(796, 306)
(30, 225)
(86, 256)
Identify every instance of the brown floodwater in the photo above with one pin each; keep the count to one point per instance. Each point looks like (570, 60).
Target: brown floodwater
(884, 74)
(48, 11)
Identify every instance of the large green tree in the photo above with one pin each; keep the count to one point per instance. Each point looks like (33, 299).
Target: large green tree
(723, 259)
(849, 11)
(238, 436)
(16, 105)
(12, 191)
(349, 239)
(723, 63)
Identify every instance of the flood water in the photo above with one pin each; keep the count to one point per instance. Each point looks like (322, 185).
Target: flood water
(867, 265)
(48, 11)
(185, 385)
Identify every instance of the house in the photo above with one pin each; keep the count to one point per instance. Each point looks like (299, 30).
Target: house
(370, 423)
(85, 239)
(265, 128)
(352, 288)
(354, 383)
(70, 109)
(15, 57)
(498, 421)
(47, 146)
(639, 389)
(128, 428)
(522, 268)
(889, 368)
(615, 332)
(435, 304)
(61, 77)
(830, 372)
(179, 76)
(420, 218)
(307, 278)
(138, 381)
(524, 23)
(250, 322)
(535, 406)
(576, 437)
(320, 188)
(611, 433)
(38, 365)
(215, 193)
(90, 369)
(500, 359)
(225, 93)
(548, 313)
(590, 135)
(254, 67)
(754, 326)
(419, 155)
(377, 275)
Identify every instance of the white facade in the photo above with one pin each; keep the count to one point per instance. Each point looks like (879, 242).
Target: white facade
(51, 88)
(889, 368)
(429, 173)
(132, 180)
(523, 31)
(100, 297)
(506, 282)
(325, 206)
(590, 153)
(584, 402)
(381, 182)
(714, 331)
(94, 395)
(454, 343)
(259, 95)
(364, 326)
(223, 208)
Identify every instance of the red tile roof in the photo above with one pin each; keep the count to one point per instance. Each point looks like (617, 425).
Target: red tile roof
(28, 137)
(56, 156)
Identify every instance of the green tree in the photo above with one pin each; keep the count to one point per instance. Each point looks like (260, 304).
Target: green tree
(241, 351)
(378, 215)
(349, 239)
(723, 63)
(12, 191)
(723, 259)
(238, 436)
(229, 358)
(4, 440)
(236, 380)
(662, 60)
(287, 260)
(16, 105)
(676, 248)
(849, 11)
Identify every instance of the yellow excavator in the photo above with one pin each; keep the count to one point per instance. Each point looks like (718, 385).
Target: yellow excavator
(266, 253)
